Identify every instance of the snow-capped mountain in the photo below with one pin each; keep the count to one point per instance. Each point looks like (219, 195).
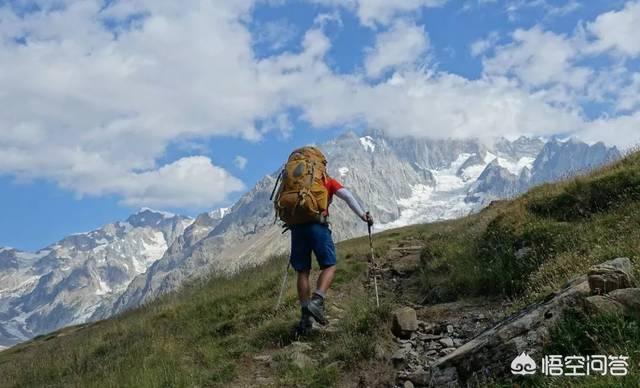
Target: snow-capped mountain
(67, 282)
(401, 180)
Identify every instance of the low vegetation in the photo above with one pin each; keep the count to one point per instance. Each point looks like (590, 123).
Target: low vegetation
(202, 336)
(530, 246)
(207, 333)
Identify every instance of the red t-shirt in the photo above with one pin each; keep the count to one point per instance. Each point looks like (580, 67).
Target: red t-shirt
(332, 186)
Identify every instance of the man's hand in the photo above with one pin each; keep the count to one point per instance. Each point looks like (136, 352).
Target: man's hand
(368, 219)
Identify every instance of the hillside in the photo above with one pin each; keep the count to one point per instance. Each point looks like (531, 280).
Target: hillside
(505, 259)
(403, 180)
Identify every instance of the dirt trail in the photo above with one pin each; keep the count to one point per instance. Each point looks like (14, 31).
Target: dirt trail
(442, 327)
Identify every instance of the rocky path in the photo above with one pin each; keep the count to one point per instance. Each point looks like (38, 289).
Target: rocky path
(423, 332)
(450, 344)
(421, 337)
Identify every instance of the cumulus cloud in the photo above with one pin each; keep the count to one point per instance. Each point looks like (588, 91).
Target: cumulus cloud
(538, 58)
(84, 104)
(95, 107)
(194, 181)
(402, 45)
(618, 30)
(481, 46)
(372, 12)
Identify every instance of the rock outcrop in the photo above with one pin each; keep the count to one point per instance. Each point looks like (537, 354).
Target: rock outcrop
(490, 353)
(609, 276)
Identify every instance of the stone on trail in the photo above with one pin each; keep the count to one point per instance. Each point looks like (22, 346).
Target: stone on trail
(419, 377)
(408, 384)
(610, 275)
(446, 377)
(405, 322)
(446, 342)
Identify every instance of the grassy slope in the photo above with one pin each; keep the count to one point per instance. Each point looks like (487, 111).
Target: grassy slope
(205, 333)
(202, 335)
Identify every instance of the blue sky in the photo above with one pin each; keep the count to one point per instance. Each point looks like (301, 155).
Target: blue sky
(108, 106)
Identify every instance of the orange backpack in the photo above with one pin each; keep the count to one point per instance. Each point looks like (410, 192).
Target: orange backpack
(302, 196)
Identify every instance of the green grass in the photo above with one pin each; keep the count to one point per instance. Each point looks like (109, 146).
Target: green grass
(205, 334)
(479, 255)
(199, 336)
(580, 335)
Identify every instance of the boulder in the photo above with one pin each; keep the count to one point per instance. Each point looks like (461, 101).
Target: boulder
(624, 301)
(492, 351)
(602, 304)
(444, 377)
(419, 377)
(610, 275)
(405, 322)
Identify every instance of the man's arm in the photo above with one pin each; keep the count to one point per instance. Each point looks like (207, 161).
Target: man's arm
(346, 196)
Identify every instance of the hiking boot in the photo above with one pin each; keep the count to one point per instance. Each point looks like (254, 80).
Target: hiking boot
(304, 327)
(315, 308)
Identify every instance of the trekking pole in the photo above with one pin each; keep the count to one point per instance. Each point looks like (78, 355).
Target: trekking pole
(373, 263)
(284, 284)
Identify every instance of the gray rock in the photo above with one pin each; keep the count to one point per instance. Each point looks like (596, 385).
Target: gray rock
(624, 301)
(611, 275)
(408, 384)
(492, 351)
(446, 351)
(446, 342)
(603, 304)
(399, 355)
(405, 322)
(444, 377)
(419, 377)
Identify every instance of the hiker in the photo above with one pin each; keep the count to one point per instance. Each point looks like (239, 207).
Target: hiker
(302, 202)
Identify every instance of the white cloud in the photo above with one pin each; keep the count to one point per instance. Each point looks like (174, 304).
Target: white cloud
(240, 162)
(371, 12)
(538, 58)
(95, 113)
(188, 182)
(481, 46)
(82, 108)
(403, 44)
(618, 30)
(275, 34)
(552, 9)
(623, 131)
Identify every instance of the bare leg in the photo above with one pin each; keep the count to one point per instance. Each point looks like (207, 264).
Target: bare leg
(326, 278)
(303, 286)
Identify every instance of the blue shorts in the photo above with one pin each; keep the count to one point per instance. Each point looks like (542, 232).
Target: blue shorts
(312, 237)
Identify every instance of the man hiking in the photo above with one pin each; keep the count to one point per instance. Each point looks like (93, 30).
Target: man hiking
(302, 202)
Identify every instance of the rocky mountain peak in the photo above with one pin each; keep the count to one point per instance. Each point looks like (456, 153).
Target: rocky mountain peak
(153, 218)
